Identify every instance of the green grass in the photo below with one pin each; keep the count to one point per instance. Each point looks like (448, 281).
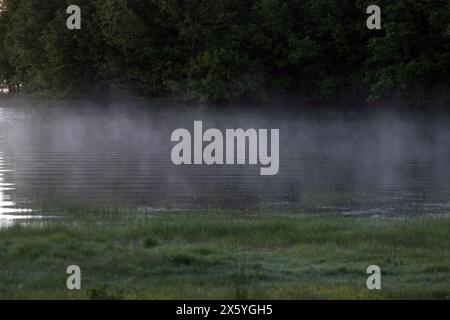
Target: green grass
(227, 256)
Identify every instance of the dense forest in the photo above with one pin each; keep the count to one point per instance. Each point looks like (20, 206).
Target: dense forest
(216, 50)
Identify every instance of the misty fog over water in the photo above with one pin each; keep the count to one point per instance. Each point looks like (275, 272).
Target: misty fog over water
(371, 162)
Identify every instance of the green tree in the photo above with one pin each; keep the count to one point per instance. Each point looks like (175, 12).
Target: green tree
(412, 59)
(317, 50)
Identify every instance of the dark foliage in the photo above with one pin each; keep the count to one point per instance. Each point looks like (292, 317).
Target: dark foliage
(316, 50)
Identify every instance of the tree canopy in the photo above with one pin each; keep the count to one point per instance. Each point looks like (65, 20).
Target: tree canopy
(316, 50)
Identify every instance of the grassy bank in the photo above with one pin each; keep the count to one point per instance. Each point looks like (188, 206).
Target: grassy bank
(228, 256)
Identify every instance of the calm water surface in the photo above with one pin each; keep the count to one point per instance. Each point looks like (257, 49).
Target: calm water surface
(377, 162)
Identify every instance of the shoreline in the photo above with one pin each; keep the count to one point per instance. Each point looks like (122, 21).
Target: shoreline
(286, 104)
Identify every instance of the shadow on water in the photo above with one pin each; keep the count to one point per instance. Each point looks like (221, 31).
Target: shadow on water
(119, 155)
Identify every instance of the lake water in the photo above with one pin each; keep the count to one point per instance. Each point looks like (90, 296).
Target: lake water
(372, 162)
